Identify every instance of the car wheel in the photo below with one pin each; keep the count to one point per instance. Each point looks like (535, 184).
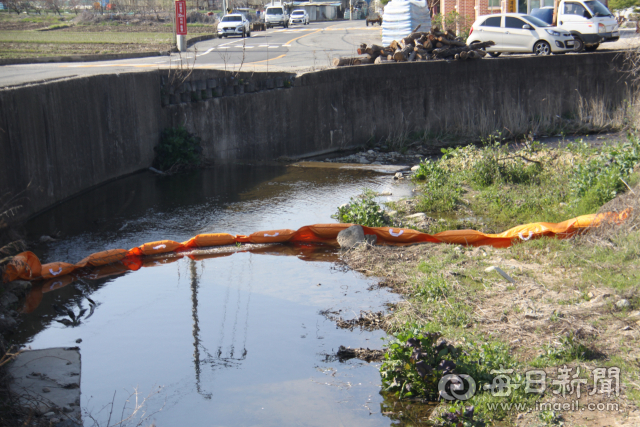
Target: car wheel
(494, 54)
(578, 45)
(591, 48)
(541, 48)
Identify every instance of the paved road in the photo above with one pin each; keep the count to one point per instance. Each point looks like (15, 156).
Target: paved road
(298, 48)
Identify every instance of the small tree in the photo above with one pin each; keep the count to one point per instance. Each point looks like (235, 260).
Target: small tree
(54, 6)
(14, 5)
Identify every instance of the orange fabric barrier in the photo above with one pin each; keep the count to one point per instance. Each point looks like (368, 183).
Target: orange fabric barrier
(204, 240)
(27, 266)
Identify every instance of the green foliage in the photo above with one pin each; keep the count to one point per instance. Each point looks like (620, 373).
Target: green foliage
(623, 4)
(441, 192)
(410, 364)
(362, 210)
(433, 288)
(600, 177)
(177, 148)
(495, 164)
(500, 187)
(458, 415)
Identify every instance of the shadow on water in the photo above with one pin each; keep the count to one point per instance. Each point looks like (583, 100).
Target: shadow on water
(234, 336)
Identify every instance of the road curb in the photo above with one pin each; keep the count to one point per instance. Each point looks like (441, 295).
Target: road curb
(80, 58)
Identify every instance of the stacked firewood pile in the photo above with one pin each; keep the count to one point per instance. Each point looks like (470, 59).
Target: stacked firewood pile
(418, 46)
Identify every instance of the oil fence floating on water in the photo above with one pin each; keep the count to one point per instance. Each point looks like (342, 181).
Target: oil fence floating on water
(27, 266)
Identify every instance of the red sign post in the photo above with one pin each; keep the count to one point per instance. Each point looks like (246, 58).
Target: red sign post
(181, 17)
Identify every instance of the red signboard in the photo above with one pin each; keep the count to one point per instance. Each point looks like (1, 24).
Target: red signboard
(181, 17)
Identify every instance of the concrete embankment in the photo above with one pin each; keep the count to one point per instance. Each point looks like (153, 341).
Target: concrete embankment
(60, 138)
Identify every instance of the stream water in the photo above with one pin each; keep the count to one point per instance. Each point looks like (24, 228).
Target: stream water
(230, 340)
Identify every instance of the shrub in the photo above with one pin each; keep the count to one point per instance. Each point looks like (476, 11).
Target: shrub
(177, 148)
(363, 210)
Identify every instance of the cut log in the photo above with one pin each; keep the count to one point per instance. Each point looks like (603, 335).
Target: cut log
(476, 46)
(403, 54)
(394, 45)
(381, 60)
(464, 55)
(450, 42)
(412, 56)
(408, 41)
(480, 53)
(450, 34)
(439, 45)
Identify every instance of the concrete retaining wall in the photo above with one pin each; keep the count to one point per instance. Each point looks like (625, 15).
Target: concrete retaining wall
(61, 138)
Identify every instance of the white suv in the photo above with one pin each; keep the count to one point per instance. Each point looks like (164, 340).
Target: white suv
(519, 33)
(234, 24)
(299, 16)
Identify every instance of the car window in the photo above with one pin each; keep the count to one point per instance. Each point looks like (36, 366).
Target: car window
(274, 11)
(511, 22)
(494, 21)
(535, 21)
(545, 15)
(231, 18)
(574, 9)
(598, 8)
(298, 12)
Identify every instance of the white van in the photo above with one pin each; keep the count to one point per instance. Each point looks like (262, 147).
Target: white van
(589, 21)
(276, 14)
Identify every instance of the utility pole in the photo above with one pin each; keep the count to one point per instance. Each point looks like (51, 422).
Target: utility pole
(350, 10)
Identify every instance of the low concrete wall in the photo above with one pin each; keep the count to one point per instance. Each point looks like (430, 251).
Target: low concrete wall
(61, 138)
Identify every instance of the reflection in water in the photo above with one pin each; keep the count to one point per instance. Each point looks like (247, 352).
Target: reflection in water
(238, 339)
(407, 412)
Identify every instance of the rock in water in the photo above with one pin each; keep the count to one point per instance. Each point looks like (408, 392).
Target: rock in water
(350, 237)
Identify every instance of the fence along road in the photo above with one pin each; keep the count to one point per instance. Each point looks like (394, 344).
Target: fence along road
(297, 48)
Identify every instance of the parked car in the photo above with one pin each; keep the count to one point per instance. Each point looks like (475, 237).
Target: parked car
(234, 24)
(519, 33)
(299, 16)
(276, 15)
(589, 21)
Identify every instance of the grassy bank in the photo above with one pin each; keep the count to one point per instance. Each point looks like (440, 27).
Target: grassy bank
(568, 304)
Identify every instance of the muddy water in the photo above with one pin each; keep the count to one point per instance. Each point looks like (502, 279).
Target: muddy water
(226, 340)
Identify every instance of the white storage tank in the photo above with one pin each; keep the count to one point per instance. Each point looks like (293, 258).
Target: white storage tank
(401, 17)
